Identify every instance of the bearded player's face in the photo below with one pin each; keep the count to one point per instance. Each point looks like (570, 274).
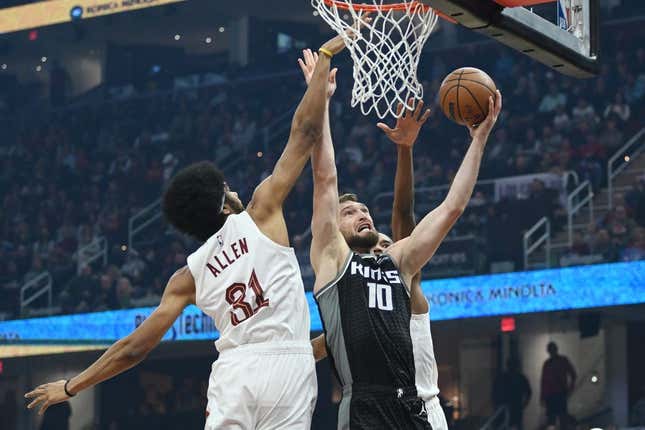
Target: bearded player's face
(356, 225)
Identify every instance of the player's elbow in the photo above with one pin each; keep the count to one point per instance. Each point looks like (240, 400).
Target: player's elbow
(306, 129)
(325, 176)
(132, 353)
(453, 211)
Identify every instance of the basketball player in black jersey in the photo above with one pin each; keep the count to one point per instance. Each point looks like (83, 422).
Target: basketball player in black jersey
(404, 136)
(363, 299)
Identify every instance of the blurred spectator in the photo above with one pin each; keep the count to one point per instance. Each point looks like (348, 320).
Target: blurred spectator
(59, 84)
(558, 381)
(583, 112)
(618, 109)
(635, 249)
(603, 245)
(612, 138)
(552, 100)
(512, 389)
(124, 291)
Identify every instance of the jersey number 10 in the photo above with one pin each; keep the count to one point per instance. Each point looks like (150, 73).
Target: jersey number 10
(380, 296)
(236, 295)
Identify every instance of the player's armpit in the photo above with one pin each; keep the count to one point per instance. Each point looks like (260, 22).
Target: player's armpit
(127, 352)
(418, 302)
(328, 254)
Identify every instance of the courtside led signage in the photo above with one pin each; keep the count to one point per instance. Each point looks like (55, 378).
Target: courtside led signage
(51, 12)
(469, 297)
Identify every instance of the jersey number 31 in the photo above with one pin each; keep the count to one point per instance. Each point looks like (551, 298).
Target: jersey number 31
(236, 297)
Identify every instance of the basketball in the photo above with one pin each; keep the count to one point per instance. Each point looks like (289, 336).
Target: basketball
(464, 93)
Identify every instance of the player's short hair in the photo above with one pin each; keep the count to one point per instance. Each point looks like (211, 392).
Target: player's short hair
(193, 200)
(348, 197)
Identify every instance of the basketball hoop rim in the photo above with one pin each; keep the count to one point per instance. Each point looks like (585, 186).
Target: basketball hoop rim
(362, 7)
(374, 8)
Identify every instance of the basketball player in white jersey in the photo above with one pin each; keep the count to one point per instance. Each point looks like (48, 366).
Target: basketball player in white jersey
(246, 277)
(404, 136)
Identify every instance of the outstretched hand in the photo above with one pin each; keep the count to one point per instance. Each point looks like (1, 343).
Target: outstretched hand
(483, 129)
(309, 64)
(407, 127)
(46, 395)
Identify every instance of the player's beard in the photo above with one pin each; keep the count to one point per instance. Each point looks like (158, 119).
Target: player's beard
(363, 242)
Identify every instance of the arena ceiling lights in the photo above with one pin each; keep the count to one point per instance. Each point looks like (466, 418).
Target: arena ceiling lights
(52, 12)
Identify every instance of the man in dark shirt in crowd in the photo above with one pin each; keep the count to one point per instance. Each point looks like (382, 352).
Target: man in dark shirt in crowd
(512, 389)
(558, 380)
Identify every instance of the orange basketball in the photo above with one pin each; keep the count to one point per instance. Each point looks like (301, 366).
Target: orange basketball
(464, 93)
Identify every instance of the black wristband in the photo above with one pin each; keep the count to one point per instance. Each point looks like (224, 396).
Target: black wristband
(65, 388)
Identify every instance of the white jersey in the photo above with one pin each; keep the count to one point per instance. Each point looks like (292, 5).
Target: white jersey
(424, 361)
(250, 286)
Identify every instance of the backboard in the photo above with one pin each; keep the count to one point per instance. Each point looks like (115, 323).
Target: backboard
(567, 41)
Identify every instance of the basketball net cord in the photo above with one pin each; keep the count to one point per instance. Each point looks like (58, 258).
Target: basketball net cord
(385, 52)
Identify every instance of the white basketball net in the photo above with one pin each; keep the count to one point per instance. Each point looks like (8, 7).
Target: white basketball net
(386, 52)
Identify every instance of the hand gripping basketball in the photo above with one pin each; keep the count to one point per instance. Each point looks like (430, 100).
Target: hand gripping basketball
(483, 129)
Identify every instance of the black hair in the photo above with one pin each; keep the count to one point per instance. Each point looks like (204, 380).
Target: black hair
(192, 202)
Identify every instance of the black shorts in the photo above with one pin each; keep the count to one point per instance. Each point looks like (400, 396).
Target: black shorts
(376, 408)
(556, 406)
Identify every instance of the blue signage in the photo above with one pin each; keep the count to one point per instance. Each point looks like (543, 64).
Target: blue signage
(469, 297)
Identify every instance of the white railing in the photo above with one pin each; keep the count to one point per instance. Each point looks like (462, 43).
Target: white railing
(501, 414)
(542, 229)
(142, 219)
(436, 193)
(34, 289)
(95, 250)
(628, 152)
(581, 196)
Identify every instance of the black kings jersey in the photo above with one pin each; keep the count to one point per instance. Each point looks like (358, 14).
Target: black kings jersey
(366, 317)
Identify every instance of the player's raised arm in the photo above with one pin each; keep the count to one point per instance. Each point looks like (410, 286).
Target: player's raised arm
(127, 352)
(306, 129)
(328, 247)
(414, 252)
(404, 136)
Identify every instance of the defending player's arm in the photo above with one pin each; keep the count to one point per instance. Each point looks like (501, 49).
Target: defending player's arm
(127, 352)
(327, 242)
(404, 135)
(306, 129)
(414, 252)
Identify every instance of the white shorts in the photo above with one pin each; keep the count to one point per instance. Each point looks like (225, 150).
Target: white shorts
(267, 386)
(436, 417)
